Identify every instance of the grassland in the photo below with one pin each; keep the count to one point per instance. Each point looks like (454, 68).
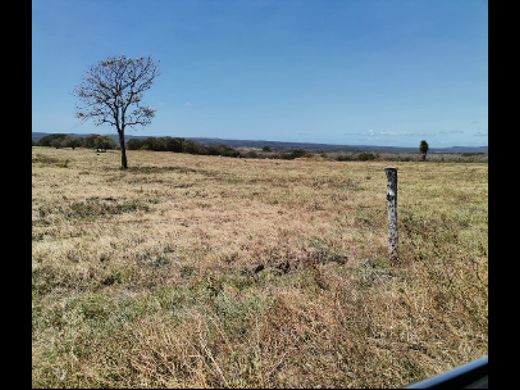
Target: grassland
(147, 277)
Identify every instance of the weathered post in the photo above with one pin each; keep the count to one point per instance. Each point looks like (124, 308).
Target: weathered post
(391, 196)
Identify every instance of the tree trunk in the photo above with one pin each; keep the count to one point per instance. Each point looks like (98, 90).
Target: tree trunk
(124, 163)
(424, 156)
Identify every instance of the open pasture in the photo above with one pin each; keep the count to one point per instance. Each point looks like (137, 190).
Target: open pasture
(152, 277)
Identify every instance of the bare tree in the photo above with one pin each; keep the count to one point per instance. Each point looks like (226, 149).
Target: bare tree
(111, 92)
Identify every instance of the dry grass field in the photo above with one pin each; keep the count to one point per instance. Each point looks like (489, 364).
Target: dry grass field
(152, 277)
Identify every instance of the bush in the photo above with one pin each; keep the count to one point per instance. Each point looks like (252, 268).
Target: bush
(291, 155)
(266, 149)
(96, 141)
(365, 156)
(134, 144)
(105, 142)
(56, 143)
(472, 154)
(71, 142)
(169, 144)
(174, 144)
(344, 157)
(88, 141)
(157, 144)
(298, 153)
(193, 147)
(52, 140)
(251, 154)
(222, 150)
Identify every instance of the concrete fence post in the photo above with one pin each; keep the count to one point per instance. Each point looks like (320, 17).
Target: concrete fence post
(391, 196)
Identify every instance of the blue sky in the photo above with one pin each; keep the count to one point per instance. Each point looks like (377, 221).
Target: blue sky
(331, 71)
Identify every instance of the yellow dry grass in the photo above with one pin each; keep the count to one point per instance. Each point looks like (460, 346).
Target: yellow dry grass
(142, 278)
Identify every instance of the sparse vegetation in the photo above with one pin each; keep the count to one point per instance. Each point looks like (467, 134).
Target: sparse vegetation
(151, 277)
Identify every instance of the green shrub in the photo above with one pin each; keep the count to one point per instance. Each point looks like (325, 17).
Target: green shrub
(221, 150)
(344, 157)
(71, 142)
(56, 143)
(193, 147)
(96, 141)
(365, 156)
(174, 144)
(296, 153)
(52, 140)
(292, 154)
(134, 144)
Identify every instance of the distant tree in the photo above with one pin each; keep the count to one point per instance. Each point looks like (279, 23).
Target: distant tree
(112, 91)
(297, 153)
(134, 144)
(71, 142)
(266, 149)
(52, 140)
(345, 157)
(56, 143)
(153, 143)
(89, 141)
(365, 156)
(174, 144)
(193, 147)
(104, 142)
(423, 148)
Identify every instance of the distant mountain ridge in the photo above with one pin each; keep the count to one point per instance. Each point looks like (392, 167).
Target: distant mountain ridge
(313, 147)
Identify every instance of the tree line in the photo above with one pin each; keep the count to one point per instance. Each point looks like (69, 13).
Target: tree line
(94, 141)
(180, 145)
(183, 145)
(162, 144)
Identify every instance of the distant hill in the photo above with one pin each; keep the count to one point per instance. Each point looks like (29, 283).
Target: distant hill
(312, 147)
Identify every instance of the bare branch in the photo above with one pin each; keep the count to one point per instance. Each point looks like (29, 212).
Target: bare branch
(111, 93)
(113, 89)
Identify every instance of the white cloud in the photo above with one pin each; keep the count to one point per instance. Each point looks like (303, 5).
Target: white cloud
(398, 133)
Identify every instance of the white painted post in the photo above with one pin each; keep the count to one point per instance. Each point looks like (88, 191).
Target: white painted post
(391, 196)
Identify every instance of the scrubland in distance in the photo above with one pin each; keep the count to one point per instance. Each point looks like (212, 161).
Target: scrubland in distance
(145, 277)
